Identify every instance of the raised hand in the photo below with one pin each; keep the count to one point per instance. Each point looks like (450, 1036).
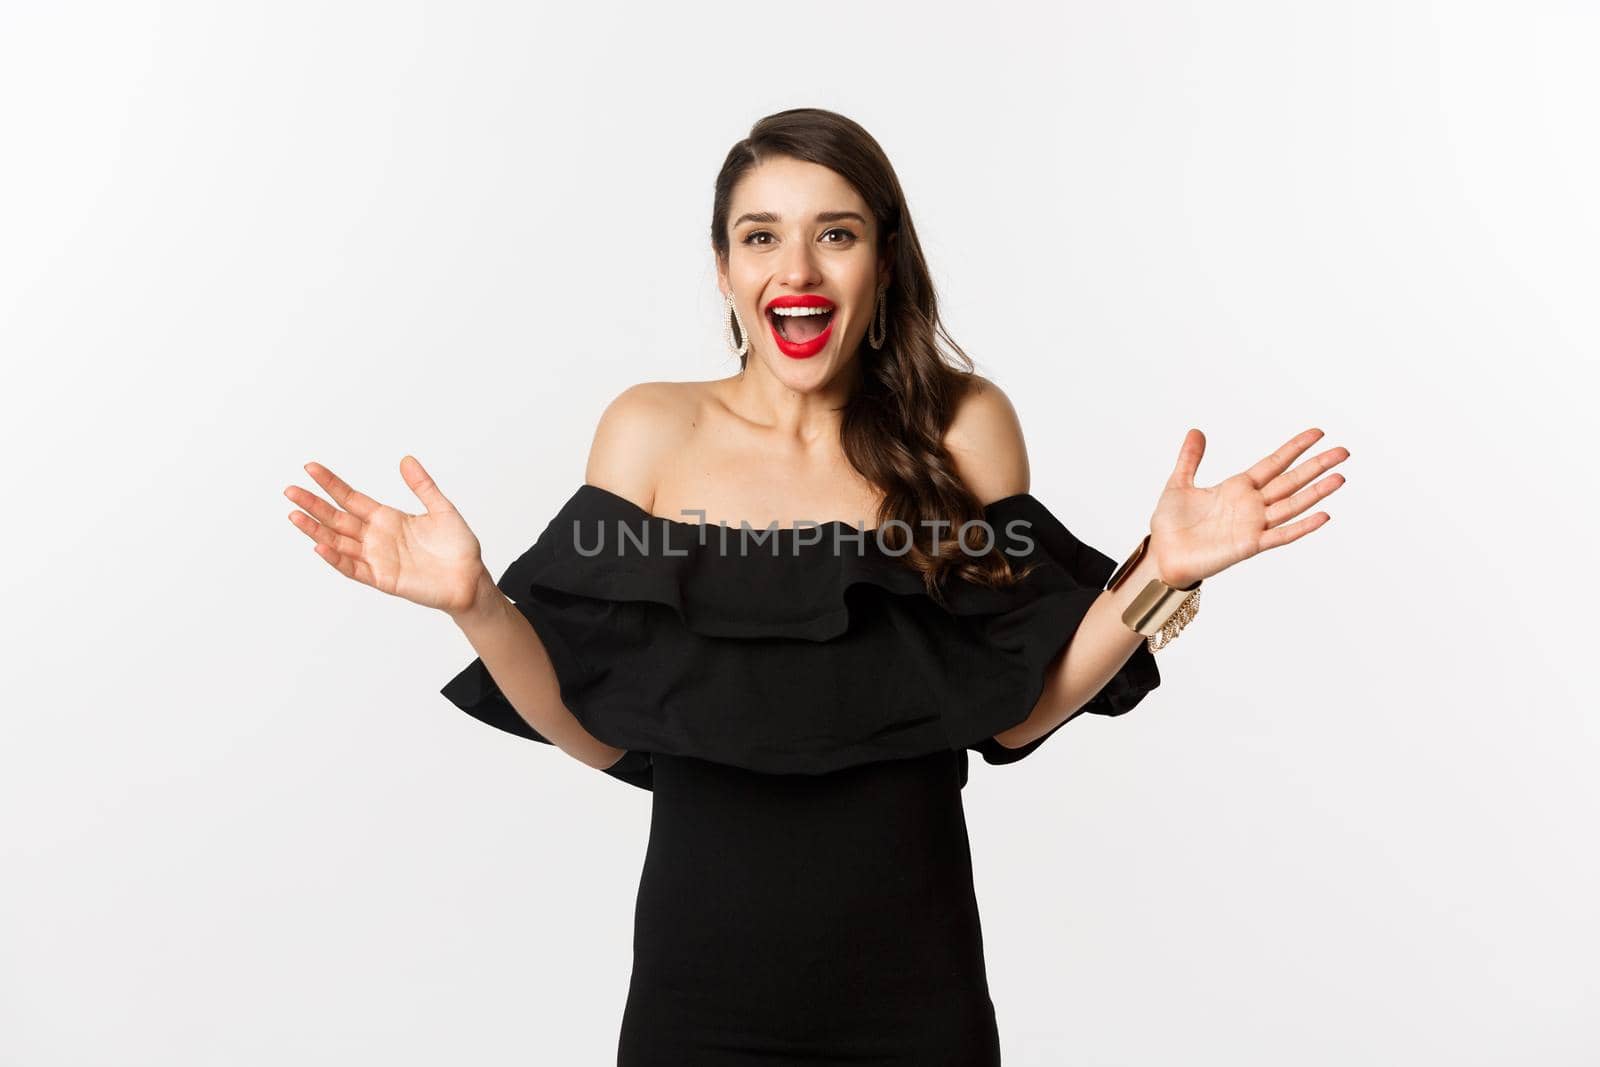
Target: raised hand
(432, 559)
(1197, 532)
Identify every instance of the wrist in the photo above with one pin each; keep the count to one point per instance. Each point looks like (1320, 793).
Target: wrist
(1169, 577)
(487, 603)
(1144, 564)
(1146, 569)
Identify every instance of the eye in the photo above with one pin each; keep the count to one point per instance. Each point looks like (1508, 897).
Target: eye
(847, 236)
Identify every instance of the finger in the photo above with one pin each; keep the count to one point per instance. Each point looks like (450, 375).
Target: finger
(322, 535)
(1287, 509)
(1289, 481)
(1189, 454)
(1272, 465)
(358, 504)
(423, 485)
(326, 513)
(353, 569)
(1282, 535)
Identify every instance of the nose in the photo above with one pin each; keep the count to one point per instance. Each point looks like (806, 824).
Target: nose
(798, 268)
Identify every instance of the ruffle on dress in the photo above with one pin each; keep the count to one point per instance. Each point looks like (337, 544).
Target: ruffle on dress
(796, 650)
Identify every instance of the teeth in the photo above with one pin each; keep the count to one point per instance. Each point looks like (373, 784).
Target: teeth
(796, 312)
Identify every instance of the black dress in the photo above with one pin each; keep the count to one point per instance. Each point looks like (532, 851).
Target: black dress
(801, 711)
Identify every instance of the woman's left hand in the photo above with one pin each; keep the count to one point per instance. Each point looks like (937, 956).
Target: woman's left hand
(1196, 532)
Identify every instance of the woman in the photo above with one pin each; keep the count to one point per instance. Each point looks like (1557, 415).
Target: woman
(801, 705)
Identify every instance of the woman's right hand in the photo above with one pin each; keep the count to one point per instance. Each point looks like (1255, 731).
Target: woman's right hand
(431, 559)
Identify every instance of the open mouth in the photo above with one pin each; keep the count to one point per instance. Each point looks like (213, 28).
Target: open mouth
(800, 331)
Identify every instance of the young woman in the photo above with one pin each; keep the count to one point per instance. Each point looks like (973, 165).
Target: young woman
(800, 699)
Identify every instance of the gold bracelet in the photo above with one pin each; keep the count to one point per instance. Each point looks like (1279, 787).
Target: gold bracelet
(1159, 612)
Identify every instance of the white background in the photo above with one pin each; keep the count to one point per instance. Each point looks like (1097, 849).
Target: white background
(1355, 824)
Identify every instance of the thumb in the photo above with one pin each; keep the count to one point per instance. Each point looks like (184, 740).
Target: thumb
(1194, 446)
(424, 486)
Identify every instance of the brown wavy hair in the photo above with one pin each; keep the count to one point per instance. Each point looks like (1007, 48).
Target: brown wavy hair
(894, 424)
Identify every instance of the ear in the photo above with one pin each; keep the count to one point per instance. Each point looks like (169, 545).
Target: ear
(722, 271)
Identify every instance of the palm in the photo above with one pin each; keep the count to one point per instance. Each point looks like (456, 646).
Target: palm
(432, 559)
(1197, 532)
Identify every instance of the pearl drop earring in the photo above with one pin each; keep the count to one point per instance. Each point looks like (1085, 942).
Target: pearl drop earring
(729, 318)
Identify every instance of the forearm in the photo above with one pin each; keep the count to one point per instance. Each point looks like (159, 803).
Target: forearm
(1097, 651)
(517, 661)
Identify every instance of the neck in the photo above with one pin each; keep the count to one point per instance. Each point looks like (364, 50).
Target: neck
(806, 415)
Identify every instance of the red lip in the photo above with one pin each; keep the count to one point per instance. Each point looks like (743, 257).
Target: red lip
(805, 349)
(804, 300)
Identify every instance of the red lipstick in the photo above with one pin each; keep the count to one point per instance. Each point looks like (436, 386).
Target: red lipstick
(800, 349)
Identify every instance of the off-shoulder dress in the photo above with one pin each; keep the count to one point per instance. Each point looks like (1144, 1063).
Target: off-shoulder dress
(801, 711)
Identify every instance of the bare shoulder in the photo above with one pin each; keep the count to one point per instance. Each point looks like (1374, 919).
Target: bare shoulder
(985, 442)
(640, 426)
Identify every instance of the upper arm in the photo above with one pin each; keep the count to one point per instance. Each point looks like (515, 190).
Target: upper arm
(634, 431)
(985, 443)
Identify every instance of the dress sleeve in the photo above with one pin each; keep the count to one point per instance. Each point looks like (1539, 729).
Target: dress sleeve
(1046, 625)
(788, 655)
(566, 624)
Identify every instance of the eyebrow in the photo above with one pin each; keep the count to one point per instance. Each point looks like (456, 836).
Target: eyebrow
(822, 216)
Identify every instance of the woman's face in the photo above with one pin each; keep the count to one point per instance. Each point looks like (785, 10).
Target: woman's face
(799, 230)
